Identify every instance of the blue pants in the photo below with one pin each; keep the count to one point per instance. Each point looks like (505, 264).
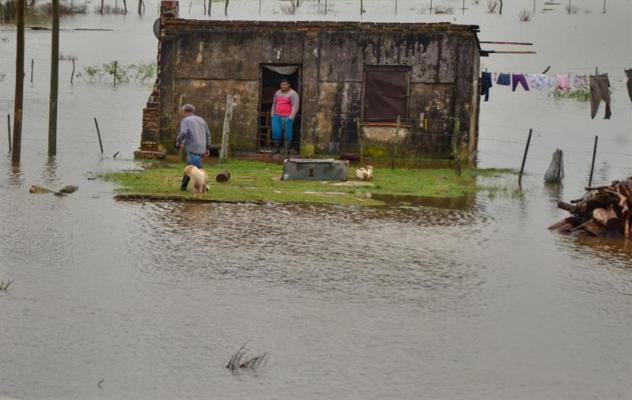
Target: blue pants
(279, 125)
(194, 159)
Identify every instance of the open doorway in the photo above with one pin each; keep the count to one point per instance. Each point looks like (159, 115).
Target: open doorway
(271, 76)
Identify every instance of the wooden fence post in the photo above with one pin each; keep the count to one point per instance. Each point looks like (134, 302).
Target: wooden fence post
(72, 74)
(99, 135)
(19, 84)
(115, 71)
(524, 157)
(9, 130)
(228, 115)
(592, 164)
(454, 147)
(398, 124)
(54, 82)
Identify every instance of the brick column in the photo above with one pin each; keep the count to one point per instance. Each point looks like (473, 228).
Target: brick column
(151, 112)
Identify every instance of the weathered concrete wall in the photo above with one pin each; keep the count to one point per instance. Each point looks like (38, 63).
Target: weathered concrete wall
(202, 61)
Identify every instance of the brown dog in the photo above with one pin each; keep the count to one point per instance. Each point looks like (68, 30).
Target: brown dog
(199, 179)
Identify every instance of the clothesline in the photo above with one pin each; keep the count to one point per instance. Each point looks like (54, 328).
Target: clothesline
(598, 85)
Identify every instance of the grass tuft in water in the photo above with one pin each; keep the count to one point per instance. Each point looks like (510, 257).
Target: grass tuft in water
(4, 286)
(239, 361)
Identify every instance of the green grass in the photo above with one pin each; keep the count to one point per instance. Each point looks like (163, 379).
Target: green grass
(260, 181)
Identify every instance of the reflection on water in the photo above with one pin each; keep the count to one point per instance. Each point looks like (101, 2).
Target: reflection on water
(15, 175)
(437, 202)
(49, 174)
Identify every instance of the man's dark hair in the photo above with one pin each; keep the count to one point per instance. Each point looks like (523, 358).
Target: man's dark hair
(285, 81)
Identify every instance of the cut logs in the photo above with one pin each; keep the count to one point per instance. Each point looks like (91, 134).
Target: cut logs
(602, 210)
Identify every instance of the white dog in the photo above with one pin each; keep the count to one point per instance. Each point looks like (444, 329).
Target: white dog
(199, 179)
(364, 173)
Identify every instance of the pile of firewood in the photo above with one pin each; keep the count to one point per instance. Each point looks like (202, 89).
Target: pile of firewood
(603, 210)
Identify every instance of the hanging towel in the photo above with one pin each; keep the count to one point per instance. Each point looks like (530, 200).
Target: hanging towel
(563, 82)
(628, 72)
(519, 79)
(486, 84)
(599, 90)
(504, 79)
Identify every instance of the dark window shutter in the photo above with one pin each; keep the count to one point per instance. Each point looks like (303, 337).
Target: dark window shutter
(386, 94)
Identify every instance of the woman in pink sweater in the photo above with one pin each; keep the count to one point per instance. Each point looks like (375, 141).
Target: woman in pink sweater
(284, 109)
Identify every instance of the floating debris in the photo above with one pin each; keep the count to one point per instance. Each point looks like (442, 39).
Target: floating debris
(61, 192)
(39, 189)
(68, 189)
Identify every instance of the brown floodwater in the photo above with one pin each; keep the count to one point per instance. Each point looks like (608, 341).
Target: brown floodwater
(421, 300)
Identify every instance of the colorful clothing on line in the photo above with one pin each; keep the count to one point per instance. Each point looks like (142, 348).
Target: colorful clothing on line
(519, 79)
(540, 81)
(599, 90)
(563, 82)
(486, 84)
(504, 79)
(581, 82)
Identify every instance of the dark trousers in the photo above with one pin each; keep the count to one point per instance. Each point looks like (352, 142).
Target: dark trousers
(486, 84)
(599, 90)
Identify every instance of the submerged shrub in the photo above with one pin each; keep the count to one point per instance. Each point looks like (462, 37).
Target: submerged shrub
(492, 6)
(578, 93)
(140, 72)
(525, 16)
(442, 9)
(64, 9)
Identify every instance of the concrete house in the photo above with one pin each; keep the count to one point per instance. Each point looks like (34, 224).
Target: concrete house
(356, 80)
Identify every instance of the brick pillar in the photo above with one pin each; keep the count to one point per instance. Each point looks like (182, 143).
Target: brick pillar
(151, 113)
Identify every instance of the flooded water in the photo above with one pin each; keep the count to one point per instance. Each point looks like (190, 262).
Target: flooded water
(474, 299)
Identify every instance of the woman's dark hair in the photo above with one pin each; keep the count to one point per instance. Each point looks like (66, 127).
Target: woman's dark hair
(285, 81)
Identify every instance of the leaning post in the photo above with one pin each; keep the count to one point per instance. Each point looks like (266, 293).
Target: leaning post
(228, 115)
(592, 164)
(524, 157)
(9, 130)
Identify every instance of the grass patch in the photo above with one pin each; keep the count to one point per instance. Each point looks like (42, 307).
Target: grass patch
(260, 181)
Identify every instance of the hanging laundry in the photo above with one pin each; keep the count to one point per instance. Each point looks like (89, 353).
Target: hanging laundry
(540, 81)
(486, 84)
(519, 79)
(599, 90)
(580, 82)
(628, 72)
(563, 82)
(504, 79)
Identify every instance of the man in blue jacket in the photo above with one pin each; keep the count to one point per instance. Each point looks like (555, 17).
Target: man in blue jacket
(196, 138)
